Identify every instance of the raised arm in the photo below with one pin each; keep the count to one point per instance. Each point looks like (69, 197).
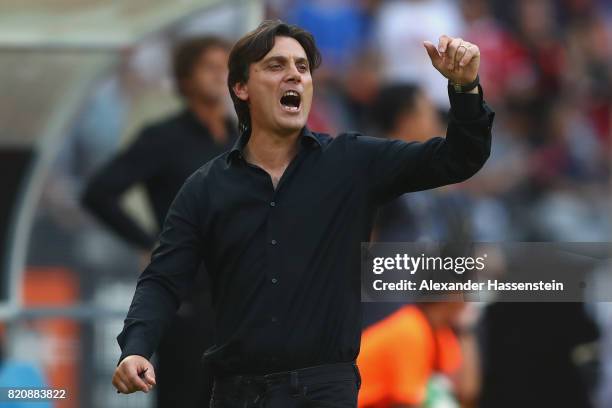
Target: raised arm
(396, 167)
(162, 286)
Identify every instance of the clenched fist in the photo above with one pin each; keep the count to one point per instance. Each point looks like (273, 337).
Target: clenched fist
(456, 59)
(134, 373)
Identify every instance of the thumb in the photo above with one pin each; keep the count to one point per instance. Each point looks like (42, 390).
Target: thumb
(432, 51)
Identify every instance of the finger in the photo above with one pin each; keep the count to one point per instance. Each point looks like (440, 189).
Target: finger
(432, 52)
(134, 382)
(451, 51)
(469, 56)
(121, 379)
(121, 387)
(461, 51)
(443, 42)
(119, 384)
(138, 384)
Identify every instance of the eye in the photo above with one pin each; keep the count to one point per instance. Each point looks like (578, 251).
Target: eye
(302, 67)
(275, 67)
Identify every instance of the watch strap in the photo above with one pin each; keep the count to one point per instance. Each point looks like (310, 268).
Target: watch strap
(459, 88)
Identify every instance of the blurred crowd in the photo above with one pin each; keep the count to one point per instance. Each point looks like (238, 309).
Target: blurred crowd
(547, 72)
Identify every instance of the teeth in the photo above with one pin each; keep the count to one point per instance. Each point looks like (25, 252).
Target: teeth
(291, 93)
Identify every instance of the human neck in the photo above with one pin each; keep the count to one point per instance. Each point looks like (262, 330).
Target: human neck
(271, 150)
(212, 115)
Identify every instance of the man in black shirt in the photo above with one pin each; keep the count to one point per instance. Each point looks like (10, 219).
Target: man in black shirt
(278, 222)
(161, 158)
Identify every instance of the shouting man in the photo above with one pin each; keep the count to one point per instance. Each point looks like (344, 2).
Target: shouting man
(278, 221)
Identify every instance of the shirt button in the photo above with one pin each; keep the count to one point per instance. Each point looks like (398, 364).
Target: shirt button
(274, 319)
(273, 242)
(272, 204)
(274, 280)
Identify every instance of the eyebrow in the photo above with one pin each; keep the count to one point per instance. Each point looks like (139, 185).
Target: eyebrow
(281, 58)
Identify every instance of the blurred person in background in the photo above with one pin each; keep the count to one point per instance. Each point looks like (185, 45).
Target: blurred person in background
(164, 154)
(287, 303)
(422, 356)
(404, 111)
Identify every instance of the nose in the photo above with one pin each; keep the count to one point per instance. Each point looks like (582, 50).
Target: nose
(293, 74)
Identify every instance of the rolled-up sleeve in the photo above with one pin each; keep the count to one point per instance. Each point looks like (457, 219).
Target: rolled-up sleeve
(167, 279)
(395, 167)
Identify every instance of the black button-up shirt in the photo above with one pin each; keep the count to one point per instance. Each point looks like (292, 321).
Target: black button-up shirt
(284, 262)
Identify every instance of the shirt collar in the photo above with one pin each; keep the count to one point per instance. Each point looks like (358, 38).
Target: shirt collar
(307, 138)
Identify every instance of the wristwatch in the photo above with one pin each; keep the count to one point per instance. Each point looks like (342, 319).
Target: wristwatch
(459, 88)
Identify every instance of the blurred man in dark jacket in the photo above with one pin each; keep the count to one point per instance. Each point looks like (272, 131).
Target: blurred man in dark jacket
(164, 154)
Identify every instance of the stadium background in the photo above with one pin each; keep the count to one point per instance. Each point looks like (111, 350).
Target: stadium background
(78, 78)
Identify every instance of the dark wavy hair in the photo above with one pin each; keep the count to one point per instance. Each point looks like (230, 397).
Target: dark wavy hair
(253, 47)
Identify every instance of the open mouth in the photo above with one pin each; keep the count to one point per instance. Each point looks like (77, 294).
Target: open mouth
(290, 101)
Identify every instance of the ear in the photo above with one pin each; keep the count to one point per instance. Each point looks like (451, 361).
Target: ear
(242, 91)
